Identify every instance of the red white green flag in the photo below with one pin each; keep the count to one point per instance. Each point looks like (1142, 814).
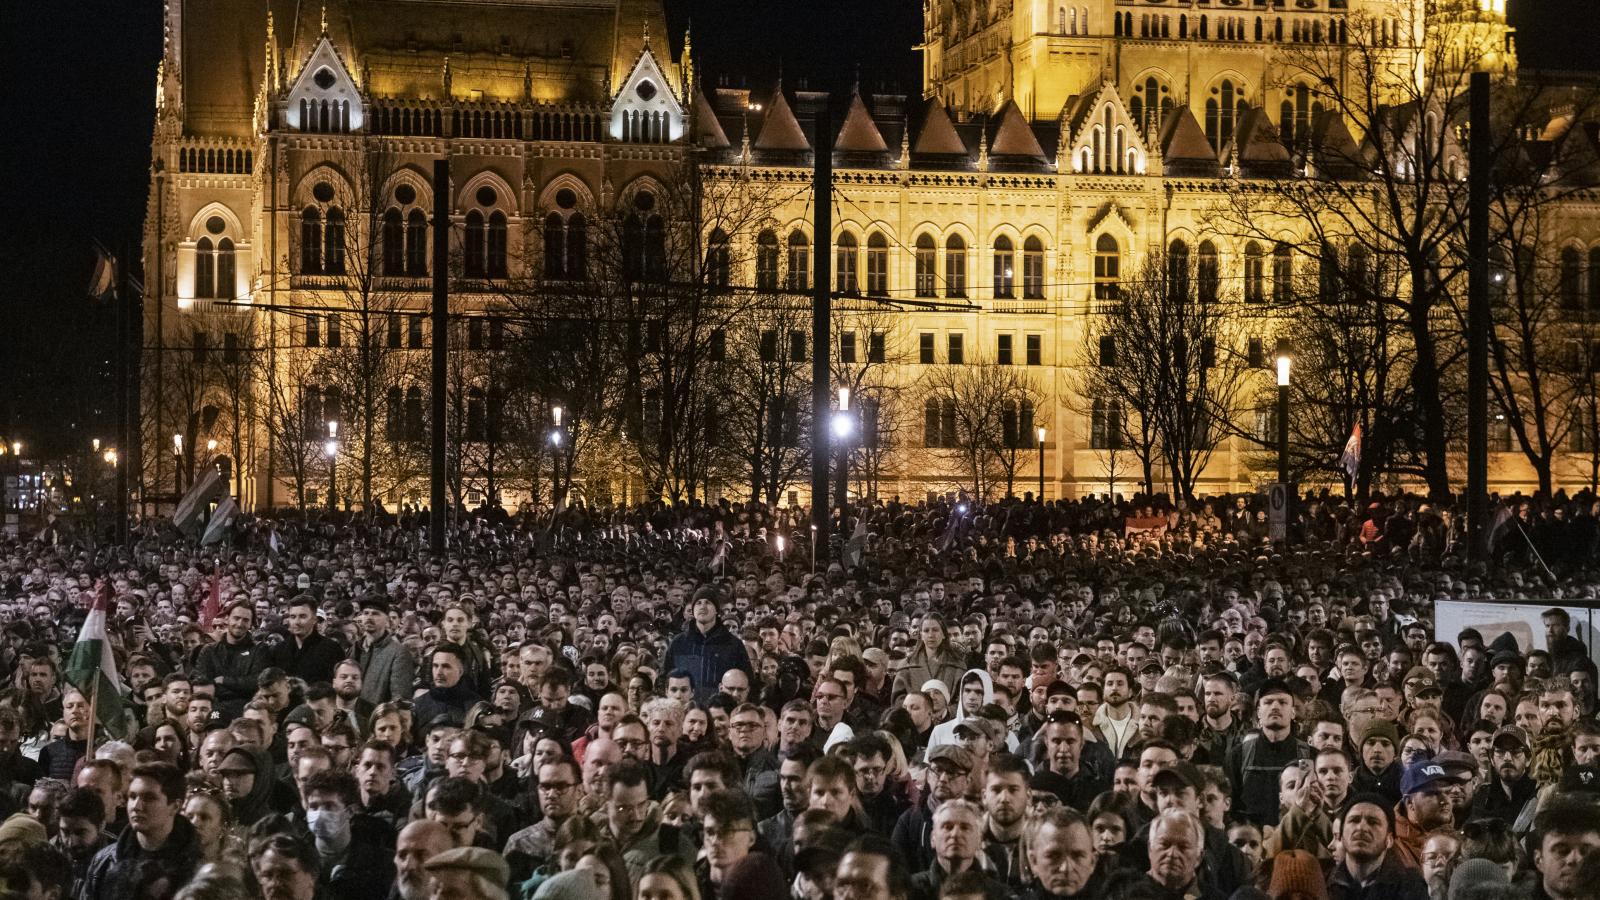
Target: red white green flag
(92, 668)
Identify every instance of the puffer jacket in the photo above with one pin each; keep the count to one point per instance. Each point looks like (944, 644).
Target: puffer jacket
(946, 664)
(126, 870)
(705, 656)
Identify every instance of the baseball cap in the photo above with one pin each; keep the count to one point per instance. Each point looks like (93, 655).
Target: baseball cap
(1464, 765)
(955, 756)
(1422, 676)
(982, 726)
(1424, 774)
(1186, 773)
(1511, 732)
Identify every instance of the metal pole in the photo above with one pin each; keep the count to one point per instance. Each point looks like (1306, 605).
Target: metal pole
(123, 299)
(821, 312)
(1041, 467)
(441, 346)
(1478, 320)
(1283, 434)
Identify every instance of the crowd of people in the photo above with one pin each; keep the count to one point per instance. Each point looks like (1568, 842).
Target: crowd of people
(1081, 699)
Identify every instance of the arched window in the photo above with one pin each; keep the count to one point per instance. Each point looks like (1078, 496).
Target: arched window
(225, 268)
(1207, 272)
(845, 273)
(416, 244)
(655, 249)
(1105, 424)
(205, 276)
(333, 243)
(414, 420)
(1571, 275)
(1033, 269)
(1107, 268)
(1282, 274)
(767, 260)
(311, 241)
(1254, 274)
(1223, 109)
(475, 413)
(472, 246)
(394, 243)
(1295, 115)
(1178, 271)
(1358, 277)
(798, 276)
(577, 246)
(718, 260)
(1151, 102)
(927, 260)
(877, 265)
(955, 266)
(1594, 279)
(1005, 260)
(496, 267)
(394, 423)
(555, 247)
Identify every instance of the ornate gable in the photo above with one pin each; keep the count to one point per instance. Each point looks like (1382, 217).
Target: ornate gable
(1104, 137)
(323, 97)
(646, 109)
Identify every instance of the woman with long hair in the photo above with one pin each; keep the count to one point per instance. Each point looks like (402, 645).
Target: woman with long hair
(935, 657)
(668, 878)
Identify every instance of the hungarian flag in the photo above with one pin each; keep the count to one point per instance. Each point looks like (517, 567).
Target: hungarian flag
(91, 667)
(1351, 457)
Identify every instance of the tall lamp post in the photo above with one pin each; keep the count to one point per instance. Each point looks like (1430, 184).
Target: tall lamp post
(555, 456)
(843, 426)
(331, 447)
(1039, 433)
(1283, 411)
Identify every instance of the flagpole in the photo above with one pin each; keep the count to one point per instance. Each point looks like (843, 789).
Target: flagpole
(94, 713)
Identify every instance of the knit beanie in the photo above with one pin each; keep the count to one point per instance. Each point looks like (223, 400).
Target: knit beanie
(1296, 873)
(1475, 872)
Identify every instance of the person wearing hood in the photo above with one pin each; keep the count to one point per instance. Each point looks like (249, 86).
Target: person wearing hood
(935, 658)
(449, 694)
(247, 784)
(706, 648)
(157, 852)
(976, 690)
(357, 852)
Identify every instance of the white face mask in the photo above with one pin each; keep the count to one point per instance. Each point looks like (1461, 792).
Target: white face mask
(330, 827)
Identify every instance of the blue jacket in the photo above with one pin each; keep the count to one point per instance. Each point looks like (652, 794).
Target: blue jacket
(705, 656)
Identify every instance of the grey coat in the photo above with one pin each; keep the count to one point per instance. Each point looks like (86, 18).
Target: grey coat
(388, 671)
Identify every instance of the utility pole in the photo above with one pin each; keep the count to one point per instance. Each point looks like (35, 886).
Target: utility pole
(123, 298)
(1478, 319)
(441, 346)
(821, 313)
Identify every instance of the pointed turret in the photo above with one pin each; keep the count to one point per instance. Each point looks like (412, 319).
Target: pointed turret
(938, 136)
(1333, 150)
(1014, 138)
(1257, 147)
(1184, 148)
(708, 131)
(859, 134)
(780, 130)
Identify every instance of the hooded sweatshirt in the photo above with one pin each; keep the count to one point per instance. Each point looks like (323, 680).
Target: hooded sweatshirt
(254, 806)
(945, 732)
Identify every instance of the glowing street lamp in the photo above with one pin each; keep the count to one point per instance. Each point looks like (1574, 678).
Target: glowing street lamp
(1039, 432)
(1284, 362)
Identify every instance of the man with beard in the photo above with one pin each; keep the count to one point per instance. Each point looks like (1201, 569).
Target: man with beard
(1253, 766)
(777, 831)
(1061, 856)
(1220, 729)
(1005, 803)
(80, 831)
(1369, 868)
(1426, 808)
(418, 842)
(1509, 787)
(234, 664)
(388, 669)
(561, 793)
(1115, 718)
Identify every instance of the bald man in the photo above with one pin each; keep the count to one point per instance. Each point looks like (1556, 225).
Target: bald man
(598, 759)
(418, 842)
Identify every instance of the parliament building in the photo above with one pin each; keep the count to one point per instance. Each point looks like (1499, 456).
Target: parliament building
(987, 221)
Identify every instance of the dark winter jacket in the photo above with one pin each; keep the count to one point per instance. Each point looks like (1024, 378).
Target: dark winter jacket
(126, 871)
(705, 656)
(234, 668)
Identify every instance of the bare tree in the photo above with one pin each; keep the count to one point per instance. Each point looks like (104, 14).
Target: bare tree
(872, 341)
(766, 393)
(979, 417)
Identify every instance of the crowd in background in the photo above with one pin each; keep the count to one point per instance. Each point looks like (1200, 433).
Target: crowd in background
(1081, 699)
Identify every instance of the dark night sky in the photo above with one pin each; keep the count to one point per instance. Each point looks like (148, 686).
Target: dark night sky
(81, 75)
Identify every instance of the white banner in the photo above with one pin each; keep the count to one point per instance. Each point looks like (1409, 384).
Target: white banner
(1521, 620)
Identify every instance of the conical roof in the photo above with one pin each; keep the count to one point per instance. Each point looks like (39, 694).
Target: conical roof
(1014, 137)
(1257, 140)
(859, 134)
(781, 130)
(1183, 139)
(707, 130)
(1331, 142)
(938, 135)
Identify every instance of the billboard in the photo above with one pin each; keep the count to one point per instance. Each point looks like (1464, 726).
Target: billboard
(1521, 620)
